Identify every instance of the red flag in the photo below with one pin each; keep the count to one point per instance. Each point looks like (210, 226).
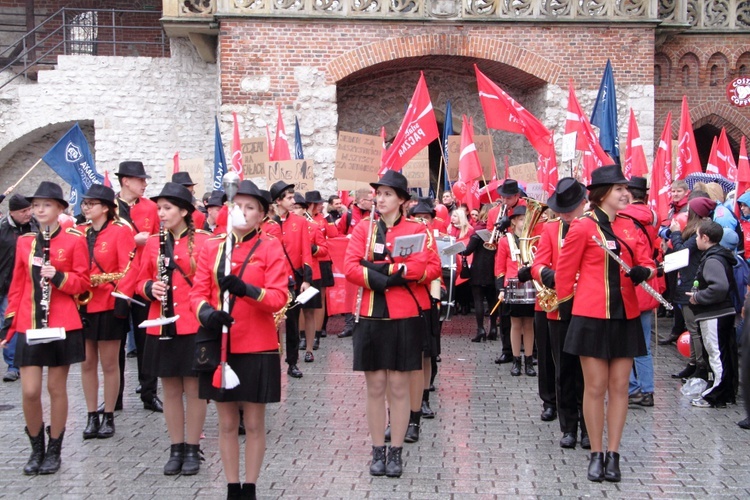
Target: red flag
(108, 182)
(280, 145)
(726, 158)
(176, 163)
(269, 143)
(417, 131)
(345, 200)
(469, 167)
(237, 149)
(743, 176)
(635, 157)
(660, 194)
(586, 140)
(687, 161)
(383, 168)
(589, 165)
(712, 167)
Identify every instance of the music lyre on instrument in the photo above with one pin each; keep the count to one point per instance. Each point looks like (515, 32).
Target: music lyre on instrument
(646, 287)
(163, 276)
(45, 333)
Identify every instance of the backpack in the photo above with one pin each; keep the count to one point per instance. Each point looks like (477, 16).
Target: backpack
(741, 272)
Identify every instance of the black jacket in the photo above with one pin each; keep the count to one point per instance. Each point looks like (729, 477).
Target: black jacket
(483, 265)
(715, 278)
(9, 233)
(686, 275)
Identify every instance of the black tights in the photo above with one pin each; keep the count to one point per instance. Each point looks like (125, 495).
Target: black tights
(480, 293)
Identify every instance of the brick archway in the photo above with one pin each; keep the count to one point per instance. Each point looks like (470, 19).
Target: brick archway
(719, 115)
(485, 48)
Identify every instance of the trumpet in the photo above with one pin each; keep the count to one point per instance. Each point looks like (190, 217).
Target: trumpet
(308, 216)
(491, 244)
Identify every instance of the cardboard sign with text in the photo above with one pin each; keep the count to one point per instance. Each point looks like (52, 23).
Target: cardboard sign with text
(358, 157)
(254, 156)
(297, 172)
(525, 172)
(197, 170)
(536, 191)
(417, 171)
(484, 148)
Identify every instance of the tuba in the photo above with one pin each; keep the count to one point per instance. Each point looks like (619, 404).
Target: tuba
(527, 246)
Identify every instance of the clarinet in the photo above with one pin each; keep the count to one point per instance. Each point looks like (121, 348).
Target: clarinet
(361, 291)
(44, 282)
(168, 332)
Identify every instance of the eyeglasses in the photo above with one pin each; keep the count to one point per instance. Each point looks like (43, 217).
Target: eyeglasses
(89, 204)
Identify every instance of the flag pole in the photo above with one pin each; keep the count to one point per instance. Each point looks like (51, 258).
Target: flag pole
(440, 175)
(486, 190)
(14, 186)
(442, 158)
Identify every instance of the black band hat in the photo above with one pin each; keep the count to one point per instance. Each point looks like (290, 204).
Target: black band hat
(638, 183)
(132, 169)
(50, 191)
(606, 176)
(518, 211)
(178, 195)
(183, 178)
(567, 196)
(313, 197)
(300, 200)
(279, 187)
(216, 199)
(509, 187)
(248, 188)
(423, 206)
(395, 180)
(102, 193)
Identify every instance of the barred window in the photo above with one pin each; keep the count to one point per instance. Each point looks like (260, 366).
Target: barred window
(82, 31)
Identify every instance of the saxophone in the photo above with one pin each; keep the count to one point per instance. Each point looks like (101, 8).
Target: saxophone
(547, 297)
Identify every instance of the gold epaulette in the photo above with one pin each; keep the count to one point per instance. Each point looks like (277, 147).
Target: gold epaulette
(72, 230)
(203, 231)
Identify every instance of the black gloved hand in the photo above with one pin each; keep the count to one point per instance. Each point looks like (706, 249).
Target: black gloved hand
(499, 283)
(396, 279)
(381, 268)
(214, 320)
(565, 310)
(234, 285)
(548, 277)
(122, 308)
(639, 274)
(503, 224)
(524, 274)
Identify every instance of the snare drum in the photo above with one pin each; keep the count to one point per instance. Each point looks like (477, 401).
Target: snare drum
(520, 293)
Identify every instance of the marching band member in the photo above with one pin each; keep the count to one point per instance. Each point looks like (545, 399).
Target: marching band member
(388, 338)
(521, 315)
(110, 242)
(315, 207)
(213, 207)
(258, 287)
(57, 281)
(605, 328)
(184, 178)
(169, 348)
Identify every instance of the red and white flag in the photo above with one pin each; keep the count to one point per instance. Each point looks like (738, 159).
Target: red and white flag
(660, 194)
(687, 161)
(269, 144)
(237, 149)
(577, 121)
(281, 145)
(743, 176)
(469, 167)
(726, 158)
(417, 131)
(635, 158)
(176, 163)
(712, 167)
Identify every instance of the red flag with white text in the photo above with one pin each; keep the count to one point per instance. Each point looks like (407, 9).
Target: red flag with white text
(418, 129)
(281, 145)
(687, 161)
(743, 176)
(726, 158)
(660, 193)
(237, 149)
(712, 167)
(635, 158)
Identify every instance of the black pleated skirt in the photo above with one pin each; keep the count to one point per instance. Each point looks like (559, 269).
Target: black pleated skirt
(605, 338)
(57, 353)
(389, 344)
(317, 301)
(104, 326)
(260, 379)
(326, 273)
(169, 358)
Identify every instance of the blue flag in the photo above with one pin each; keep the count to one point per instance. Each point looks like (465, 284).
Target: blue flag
(447, 132)
(604, 114)
(298, 154)
(220, 161)
(71, 159)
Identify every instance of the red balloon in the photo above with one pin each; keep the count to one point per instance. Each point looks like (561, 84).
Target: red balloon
(683, 344)
(441, 211)
(459, 190)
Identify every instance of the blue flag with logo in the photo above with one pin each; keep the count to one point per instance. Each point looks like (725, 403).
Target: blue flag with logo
(71, 159)
(298, 154)
(447, 132)
(220, 161)
(604, 114)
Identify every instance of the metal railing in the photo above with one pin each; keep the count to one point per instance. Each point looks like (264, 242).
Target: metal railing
(69, 31)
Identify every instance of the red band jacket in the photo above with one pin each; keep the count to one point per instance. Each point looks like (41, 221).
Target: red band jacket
(318, 247)
(113, 246)
(178, 259)
(254, 329)
(142, 217)
(395, 302)
(295, 240)
(69, 256)
(584, 269)
(548, 252)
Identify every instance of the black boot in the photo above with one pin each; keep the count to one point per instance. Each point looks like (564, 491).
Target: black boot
(248, 491)
(107, 429)
(528, 362)
(174, 464)
(316, 343)
(516, 369)
(191, 463)
(492, 335)
(37, 452)
(412, 432)
(596, 467)
(426, 410)
(481, 335)
(377, 466)
(52, 461)
(92, 426)
(394, 466)
(612, 467)
(234, 490)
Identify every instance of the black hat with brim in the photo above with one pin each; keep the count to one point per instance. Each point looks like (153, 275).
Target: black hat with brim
(567, 196)
(313, 197)
(395, 180)
(216, 199)
(518, 211)
(423, 206)
(248, 188)
(132, 169)
(279, 187)
(102, 193)
(607, 176)
(50, 191)
(509, 187)
(176, 194)
(300, 200)
(638, 183)
(183, 178)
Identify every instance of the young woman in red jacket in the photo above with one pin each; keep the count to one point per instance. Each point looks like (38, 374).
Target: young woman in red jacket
(389, 337)
(66, 274)
(169, 348)
(605, 327)
(258, 285)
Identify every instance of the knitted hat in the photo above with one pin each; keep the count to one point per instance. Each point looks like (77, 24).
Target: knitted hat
(703, 207)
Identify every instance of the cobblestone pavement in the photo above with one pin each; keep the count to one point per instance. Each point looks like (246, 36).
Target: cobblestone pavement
(487, 440)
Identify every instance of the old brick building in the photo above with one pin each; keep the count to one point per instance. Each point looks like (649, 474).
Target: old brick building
(144, 92)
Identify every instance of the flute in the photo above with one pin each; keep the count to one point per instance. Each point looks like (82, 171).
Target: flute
(626, 267)
(361, 290)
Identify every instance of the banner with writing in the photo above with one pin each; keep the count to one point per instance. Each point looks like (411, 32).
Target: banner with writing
(297, 172)
(358, 157)
(254, 156)
(417, 171)
(524, 172)
(483, 144)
